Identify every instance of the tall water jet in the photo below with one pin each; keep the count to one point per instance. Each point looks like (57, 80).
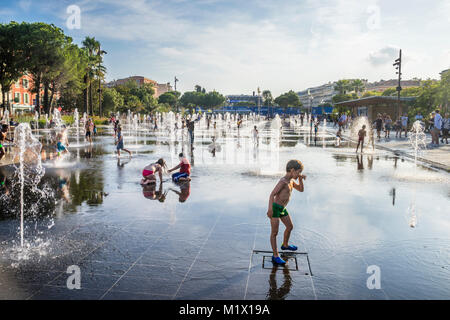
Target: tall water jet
(5, 118)
(29, 170)
(417, 139)
(357, 125)
(323, 132)
(36, 120)
(77, 124)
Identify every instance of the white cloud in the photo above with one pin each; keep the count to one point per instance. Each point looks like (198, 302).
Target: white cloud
(384, 55)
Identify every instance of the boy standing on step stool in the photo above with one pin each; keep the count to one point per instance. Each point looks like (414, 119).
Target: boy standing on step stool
(278, 200)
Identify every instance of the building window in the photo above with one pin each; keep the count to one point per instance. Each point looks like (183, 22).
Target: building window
(17, 97)
(25, 98)
(17, 84)
(25, 83)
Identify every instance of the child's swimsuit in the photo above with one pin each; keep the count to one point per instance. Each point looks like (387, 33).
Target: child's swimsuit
(120, 143)
(60, 146)
(146, 173)
(279, 211)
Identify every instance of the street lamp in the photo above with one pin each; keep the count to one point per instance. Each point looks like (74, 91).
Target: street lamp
(398, 66)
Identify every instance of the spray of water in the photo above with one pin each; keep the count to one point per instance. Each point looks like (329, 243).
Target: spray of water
(417, 139)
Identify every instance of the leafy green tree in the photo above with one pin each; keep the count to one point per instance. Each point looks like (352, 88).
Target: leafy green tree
(213, 100)
(168, 98)
(389, 92)
(288, 99)
(444, 90)
(191, 99)
(69, 83)
(344, 97)
(371, 94)
(12, 58)
(112, 100)
(44, 47)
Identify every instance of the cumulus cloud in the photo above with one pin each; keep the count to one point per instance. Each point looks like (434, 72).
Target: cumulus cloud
(383, 56)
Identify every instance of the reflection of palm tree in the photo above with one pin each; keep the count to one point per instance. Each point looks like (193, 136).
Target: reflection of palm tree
(280, 293)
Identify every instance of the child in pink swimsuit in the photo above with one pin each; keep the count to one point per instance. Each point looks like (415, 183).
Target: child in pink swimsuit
(149, 172)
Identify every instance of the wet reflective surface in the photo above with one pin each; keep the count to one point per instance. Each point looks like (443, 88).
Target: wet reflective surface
(196, 240)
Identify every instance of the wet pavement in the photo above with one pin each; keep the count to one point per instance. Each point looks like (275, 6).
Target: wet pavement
(203, 239)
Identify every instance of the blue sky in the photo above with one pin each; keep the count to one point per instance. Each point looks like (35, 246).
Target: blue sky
(235, 46)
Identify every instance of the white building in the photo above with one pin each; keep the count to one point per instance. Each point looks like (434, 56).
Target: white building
(315, 96)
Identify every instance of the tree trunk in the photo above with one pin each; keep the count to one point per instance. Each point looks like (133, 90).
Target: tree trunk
(99, 97)
(46, 105)
(37, 86)
(85, 95)
(90, 98)
(3, 100)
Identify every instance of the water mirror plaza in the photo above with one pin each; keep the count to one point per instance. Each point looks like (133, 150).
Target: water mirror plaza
(241, 157)
(209, 238)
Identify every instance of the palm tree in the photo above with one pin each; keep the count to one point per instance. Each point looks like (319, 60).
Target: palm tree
(342, 86)
(358, 85)
(267, 97)
(101, 71)
(90, 45)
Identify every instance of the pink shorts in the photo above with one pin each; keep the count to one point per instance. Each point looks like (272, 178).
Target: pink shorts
(146, 173)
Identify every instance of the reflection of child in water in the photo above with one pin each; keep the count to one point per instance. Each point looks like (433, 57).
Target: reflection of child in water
(64, 187)
(276, 293)
(149, 192)
(185, 191)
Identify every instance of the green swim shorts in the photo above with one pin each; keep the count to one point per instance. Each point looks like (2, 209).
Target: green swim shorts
(279, 211)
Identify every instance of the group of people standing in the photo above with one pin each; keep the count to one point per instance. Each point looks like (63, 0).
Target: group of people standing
(437, 125)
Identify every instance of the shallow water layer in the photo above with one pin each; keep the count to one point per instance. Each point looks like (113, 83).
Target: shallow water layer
(202, 240)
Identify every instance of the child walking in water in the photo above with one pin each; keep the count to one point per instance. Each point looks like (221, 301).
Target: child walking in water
(149, 172)
(62, 142)
(361, 134)
(120, 143)
(278, 200)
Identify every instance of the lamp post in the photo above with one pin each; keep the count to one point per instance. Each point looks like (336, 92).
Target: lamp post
(398, 65)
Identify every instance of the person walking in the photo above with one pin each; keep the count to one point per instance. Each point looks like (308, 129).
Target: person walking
(436, 129)
(445, 128)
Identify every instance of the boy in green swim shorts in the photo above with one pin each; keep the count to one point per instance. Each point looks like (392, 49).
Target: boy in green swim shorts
(279, 198)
